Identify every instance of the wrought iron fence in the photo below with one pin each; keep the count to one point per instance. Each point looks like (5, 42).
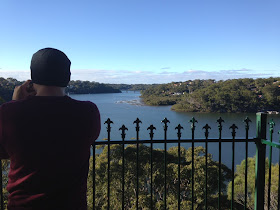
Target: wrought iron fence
(262, 200)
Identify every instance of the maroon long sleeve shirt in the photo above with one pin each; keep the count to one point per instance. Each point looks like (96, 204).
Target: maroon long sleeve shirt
(47, 139)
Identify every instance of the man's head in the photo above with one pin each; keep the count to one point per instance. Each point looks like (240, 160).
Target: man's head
(50, 67)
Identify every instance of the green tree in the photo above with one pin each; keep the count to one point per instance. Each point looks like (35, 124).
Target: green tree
(239, 184)
(158, 178)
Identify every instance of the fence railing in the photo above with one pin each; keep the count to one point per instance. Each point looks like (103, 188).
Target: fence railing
(180, 178)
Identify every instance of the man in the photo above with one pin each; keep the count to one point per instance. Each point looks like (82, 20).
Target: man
(47, 137)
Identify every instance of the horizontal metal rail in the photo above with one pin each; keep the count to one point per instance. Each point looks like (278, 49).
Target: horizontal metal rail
(271, 143)
(158, 141)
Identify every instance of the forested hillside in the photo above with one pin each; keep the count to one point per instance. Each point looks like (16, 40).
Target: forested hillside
(86, 87)
(76, 87)
(237, 95)
(7, 88)
(131, 87)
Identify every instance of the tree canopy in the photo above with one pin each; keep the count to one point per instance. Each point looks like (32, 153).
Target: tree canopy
(172, 179)
(86, 87)
(236, 95)
(239, 184)
(158, 178)
(76, 87)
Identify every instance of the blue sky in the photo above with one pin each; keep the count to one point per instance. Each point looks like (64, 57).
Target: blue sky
(144, 41)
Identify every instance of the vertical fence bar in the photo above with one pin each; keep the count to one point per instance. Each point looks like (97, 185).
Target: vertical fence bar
(1, 191)
(193, 121)
(271, 126)
(165, 121)
(220, 121)
(123, 129)
(279, 177)
(261, 120)
(137, 121)
(179, 127)
(93, 175)
(247, 120)
(206, 127)
(233, 127)
(108, 122)
(123, 173)
(151, 128)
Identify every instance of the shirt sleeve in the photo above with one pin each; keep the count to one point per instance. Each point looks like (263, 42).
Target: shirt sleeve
(3, 152)
(96, 123)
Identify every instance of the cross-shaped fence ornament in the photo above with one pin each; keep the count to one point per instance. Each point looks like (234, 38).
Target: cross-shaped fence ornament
(220, 121)
(206, 127)
(137, 121)
(108, 122)
(151, 128)
(247, 120)
(123, 129)
(233, 127)
(179, 128)
(193, 121)
(165, 121)
(271, 125)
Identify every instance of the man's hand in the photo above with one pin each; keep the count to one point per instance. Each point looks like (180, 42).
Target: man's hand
(24, 90)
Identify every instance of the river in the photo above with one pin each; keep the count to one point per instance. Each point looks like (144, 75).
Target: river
(124, 108)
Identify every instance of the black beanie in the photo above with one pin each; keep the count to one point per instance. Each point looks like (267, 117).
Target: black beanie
(50, 67)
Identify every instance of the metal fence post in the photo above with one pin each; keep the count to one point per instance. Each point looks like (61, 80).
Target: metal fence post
(261, 120)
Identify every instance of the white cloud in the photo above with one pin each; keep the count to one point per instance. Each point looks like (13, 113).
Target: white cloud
(165, 68)
(20, 75)
(145, 77)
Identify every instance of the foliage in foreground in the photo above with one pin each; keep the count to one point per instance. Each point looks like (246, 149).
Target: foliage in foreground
(239, 184)
(158, 178)
(172, 180)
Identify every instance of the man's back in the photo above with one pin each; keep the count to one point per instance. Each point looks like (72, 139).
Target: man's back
(48, 140)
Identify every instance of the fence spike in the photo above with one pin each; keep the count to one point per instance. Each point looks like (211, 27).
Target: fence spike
(108, 122)
(233, 127)
(137, 122)
(247, 120)
(220, 126)
(206, 127)
(179, 127)
(165, 121)
(193, 121)
(220, 121)
(151, 128)
(271, 125)
(123, 129)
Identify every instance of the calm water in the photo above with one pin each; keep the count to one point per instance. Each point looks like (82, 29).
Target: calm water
(124, 108)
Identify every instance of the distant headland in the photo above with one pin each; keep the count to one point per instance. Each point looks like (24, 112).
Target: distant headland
(235, 95)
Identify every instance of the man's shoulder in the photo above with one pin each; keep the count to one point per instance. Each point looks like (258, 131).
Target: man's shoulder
(12, 103)
(85, 104)
(88, 103)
